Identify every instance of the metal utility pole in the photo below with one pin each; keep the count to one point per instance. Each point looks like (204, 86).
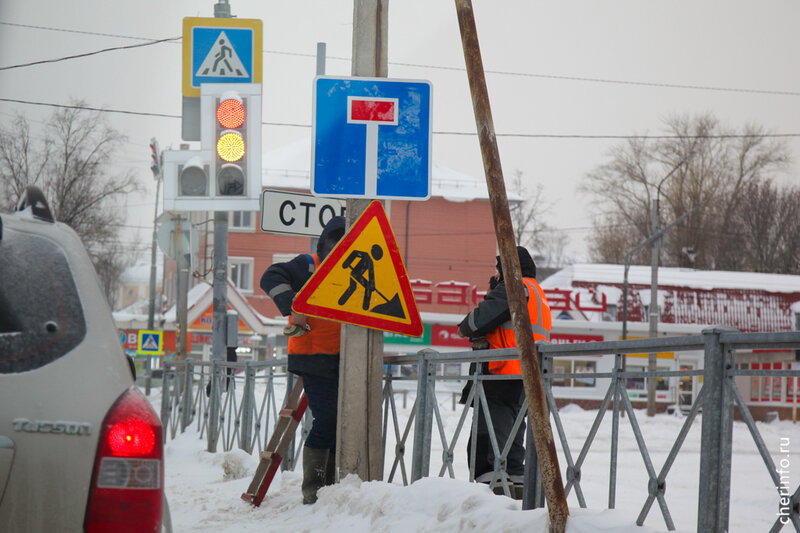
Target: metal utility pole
(538, 414)
(359, 449)
(220, 302)
(658, 242)
(151, 311)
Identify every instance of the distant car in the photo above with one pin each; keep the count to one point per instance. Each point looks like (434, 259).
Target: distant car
(81, 449)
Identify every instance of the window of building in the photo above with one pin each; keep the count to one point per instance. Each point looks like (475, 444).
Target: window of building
(562, 366)
(241, 221)
(240, 272)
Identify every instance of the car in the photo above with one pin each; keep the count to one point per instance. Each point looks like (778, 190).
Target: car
(81, 448)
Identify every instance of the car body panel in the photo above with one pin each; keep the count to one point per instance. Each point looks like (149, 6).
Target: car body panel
(53, 413)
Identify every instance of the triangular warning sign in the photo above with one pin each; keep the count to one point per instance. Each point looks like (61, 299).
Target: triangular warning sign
(363, 281)
(222, 61)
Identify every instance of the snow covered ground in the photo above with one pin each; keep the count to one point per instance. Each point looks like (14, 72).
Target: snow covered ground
(204, 489)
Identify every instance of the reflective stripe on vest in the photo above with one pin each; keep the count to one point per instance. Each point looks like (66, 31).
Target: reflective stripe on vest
(324, 336)
(503, 336)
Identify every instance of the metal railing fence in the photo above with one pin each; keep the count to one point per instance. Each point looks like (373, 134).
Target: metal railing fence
(236, 404)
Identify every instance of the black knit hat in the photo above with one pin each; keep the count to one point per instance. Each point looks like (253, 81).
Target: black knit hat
(526, 264)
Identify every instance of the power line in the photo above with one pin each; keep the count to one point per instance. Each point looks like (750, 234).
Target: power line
(460, 133)
(65, 58)
(585, 79)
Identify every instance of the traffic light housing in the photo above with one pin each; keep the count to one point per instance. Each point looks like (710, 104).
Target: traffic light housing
(225, 175)
(231, 130)
(155, 166)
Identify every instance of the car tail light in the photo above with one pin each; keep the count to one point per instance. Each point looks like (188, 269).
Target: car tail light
(128, 479)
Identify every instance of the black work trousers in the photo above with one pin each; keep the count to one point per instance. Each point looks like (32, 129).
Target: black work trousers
(505, 399)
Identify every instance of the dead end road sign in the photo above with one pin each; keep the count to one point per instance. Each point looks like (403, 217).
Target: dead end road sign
(363, 280)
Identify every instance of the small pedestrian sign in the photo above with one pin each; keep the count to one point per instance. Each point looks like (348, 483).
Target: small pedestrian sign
(220, 50)
(150, 342)
(363, 280)
(371, 138)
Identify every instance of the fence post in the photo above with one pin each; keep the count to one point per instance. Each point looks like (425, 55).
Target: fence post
(213, 407)
(533, 490)
(248, 404)
(716, 437)
(288, 461)
(165, 399)
(421, 454)
(619, 365)
(188, 396)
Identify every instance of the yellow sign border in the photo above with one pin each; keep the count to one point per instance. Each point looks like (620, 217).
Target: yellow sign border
(192, 22)
(159, 334)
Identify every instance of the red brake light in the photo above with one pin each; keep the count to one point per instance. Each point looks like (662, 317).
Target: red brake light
(128, 479)
(131, 437)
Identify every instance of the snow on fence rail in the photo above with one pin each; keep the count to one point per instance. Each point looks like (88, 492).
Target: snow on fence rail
(237, 404)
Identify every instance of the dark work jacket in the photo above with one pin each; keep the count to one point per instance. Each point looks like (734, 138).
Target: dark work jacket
(281, 282)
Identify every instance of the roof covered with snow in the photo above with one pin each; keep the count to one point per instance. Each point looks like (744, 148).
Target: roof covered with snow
(677, 277)
(288, 167)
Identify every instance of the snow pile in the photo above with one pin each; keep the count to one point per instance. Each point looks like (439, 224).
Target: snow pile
(204, 489)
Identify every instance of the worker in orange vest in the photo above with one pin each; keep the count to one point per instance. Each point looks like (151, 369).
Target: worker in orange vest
(313, 355)
(489, 326)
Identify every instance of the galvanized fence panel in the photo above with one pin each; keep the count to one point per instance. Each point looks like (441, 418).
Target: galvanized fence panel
(237, 407)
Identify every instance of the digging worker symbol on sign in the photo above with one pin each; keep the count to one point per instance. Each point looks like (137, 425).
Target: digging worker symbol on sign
(363, 273)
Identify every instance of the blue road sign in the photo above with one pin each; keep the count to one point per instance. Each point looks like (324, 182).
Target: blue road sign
(222, 55)
(371, 138)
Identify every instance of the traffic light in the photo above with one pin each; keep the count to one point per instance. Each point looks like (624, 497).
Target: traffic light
(225, 174)
(231, 150)
(155, 166)
(231, 129)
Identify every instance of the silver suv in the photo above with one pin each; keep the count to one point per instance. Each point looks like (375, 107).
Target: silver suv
(81, 449)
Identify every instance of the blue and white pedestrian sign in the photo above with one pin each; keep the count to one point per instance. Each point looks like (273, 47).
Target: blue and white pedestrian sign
(371, 138)
(220, 50)
(150, 342)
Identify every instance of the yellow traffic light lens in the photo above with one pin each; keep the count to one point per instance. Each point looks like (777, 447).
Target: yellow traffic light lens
(230, 113)
(230, 147)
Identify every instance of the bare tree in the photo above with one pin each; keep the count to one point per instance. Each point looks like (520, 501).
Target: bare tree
(528, 215)
(714, 168)
(70, 162)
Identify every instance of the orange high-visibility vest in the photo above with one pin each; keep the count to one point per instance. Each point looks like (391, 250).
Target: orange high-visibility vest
(503, 335)
(324, 336)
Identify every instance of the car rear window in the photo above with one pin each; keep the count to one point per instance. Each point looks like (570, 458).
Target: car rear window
(41, 317)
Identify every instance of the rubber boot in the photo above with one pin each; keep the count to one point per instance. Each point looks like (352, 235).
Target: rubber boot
(315, 464)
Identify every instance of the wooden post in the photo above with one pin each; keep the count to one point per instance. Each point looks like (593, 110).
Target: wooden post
(538, 414)
(359, 446)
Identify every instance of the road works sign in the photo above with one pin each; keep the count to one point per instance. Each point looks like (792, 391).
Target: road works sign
(220, 50)
(363, 280)
(150, 342)
(371, 138)
(290, 213)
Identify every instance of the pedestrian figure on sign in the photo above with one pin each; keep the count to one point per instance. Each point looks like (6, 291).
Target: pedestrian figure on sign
(224, 52)
(361, 263)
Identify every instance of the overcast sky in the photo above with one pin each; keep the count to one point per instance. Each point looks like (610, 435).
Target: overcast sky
(559, 69)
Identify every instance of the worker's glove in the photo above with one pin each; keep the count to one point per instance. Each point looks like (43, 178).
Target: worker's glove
(294, 330)
(480, 343)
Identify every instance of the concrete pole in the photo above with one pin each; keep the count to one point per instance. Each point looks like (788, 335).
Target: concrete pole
(653, 314)
(538, 413)
(359, 447)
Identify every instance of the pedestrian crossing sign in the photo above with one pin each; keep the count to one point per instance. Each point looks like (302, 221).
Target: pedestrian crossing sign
(220, 50)
(363, 280)
(150, 342)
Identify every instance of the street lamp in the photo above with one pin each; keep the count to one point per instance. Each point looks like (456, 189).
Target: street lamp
(653, 308)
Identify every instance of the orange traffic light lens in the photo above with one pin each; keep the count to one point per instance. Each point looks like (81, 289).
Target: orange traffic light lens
(230, 147)
(230, 113)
